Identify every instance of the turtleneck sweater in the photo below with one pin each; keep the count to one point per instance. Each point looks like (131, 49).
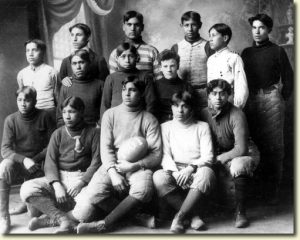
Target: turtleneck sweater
(27, 135)
(112, 92)
(121, 123)
(61, 154)
(90, 91)
(265, 65)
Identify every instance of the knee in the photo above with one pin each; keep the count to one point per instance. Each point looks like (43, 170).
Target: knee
(204, 180)
(6, 168)
(242, 166)
(143, 189)
(159, 178)
(83, 211)
(28, 189)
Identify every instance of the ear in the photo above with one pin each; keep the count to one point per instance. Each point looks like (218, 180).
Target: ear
(142, 27)
(200, 25)
(137, 58)
(225, 38)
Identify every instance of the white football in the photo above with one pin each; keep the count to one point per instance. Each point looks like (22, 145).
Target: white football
(133, 149)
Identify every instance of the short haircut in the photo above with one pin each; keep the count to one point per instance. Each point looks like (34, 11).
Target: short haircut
(133, 14)
(223, 29)
(186, 96)
(140, 85)
(85, 28)
(83, 54)
(191, 15)
(29, 92)
(264, 18)
(167, 55)
(221, 83)
(39, 44)
(74, 102)
(124, 47)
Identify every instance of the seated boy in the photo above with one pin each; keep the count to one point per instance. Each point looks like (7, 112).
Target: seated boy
(187, 161)
(25, 138)
(232, 149)
(72, 158)
(115, 176)
(226, 64)
(168, 85)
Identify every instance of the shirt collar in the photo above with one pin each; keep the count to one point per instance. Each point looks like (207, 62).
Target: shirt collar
(36, 68)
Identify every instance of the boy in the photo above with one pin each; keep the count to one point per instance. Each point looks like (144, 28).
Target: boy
(80, 36)
(72, 158)
(127, 58)
(25, 138)
(168, 85)
(115, 176)
(270, 80)
(193, 51)
(230, 134)
(226, 64)
(133, 26)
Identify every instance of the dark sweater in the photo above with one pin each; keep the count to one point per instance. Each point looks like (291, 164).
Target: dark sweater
(164, 90)
(90, 91)
(265, 65)
(98, 67)
(112, 92)
(62, 156)
(27, 136)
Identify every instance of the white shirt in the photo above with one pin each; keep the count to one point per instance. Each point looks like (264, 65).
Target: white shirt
(227, 65)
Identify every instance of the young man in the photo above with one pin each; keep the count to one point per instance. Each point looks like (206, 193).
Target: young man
(116, 176)
(230, 134)
(25, 138)
(80, 35)
(84, 86)
(226, 64)
(187, 161)
(127, 58)
(270, 80)
(168, 85)
(73, 156)
(133, 26)
(193, 51)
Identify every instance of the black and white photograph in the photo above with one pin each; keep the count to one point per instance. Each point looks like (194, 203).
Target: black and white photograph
(147, 117)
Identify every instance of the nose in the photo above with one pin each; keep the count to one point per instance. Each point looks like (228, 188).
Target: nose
(127, 59)
(23, 103)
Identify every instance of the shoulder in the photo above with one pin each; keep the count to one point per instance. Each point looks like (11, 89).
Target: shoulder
(93, 131)
(11, 118)
(236, 114)
(113, 53)
(202, 126)
(149, 118)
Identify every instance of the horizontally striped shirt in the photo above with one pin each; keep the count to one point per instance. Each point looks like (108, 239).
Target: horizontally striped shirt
(148, 59)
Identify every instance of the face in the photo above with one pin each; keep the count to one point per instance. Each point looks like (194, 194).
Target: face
(78, 38)
(133, 28)
(131, 95)
(71, 116)
(79, 66)
(191, 28)
(169, 68)
(127, 60)
(25, 105)
(34, 55)
(181, 112)
(260, 32)
(218, 98)
(216, 40)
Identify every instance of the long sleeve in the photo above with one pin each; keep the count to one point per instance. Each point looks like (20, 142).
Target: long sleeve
(59, 118)
(113, 65)
(55, 84)
(103, 69)
(150, 97)
(287, 75)
(63, 71)
(20, 79)
(206, 146)
(156, 66)
(106, 96)
(167, 162)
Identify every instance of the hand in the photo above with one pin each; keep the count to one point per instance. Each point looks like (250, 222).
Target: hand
(118, 181)
(221, 160)
(124, 167)
(60, 192)
(76, 188)
(67, 81)
(28, 163)
(184, 175)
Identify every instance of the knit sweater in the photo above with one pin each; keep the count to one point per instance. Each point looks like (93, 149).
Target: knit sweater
(90, 91)
(62, 156)
(265, 65)
(27, 136)
(98, 67)
(229, 130)
(121, 123)
(186, 144)
(112, 92)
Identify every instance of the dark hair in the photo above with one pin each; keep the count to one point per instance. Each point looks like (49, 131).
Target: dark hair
(133, 14)
(223, 29)
(39, 44)
(186, 96)
(191, 15)
(85, 28)
(264, 18)
(126, 46)
(167, 55)
(74, 102)
(140, 85)
(82, 53)
(221, 83)
(29, 93)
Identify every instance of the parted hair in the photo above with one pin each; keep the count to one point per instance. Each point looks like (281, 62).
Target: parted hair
(140, 85)
(187, 96)
(74, 102)
(82, 53)
(29, 92)
(85, 28)
(39, 44)
(133, 14)
(191, 15)
(223, 29)
(167, 55)
(221, 83)
(264, 18)
(126, 46)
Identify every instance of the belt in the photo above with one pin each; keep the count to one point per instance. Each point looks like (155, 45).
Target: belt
(264, 90)
(202, 86)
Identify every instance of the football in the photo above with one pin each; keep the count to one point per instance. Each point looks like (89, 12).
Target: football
(133, 149)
